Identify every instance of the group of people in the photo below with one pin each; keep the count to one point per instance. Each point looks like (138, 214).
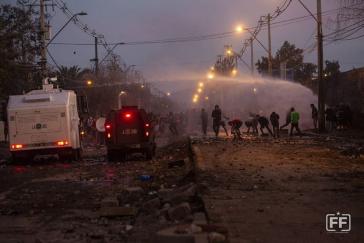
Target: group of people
(339, 117)
(264, 123)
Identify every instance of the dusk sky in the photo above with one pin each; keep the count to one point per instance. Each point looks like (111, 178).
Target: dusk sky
(140, 20)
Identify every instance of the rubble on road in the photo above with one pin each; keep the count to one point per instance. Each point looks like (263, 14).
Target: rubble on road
(118, 211)
(97, 201)
(179, 212)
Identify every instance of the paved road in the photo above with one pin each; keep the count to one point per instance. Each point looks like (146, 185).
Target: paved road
(266, 190)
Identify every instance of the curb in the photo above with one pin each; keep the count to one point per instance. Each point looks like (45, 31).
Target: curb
(200, 218)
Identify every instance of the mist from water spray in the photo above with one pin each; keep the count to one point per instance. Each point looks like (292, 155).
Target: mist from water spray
(239, 97)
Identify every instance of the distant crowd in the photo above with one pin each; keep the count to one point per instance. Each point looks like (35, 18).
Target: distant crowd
(337, 117)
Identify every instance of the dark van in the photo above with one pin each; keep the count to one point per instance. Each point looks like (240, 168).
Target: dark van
(127, 131)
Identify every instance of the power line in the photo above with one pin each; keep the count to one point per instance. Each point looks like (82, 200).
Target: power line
(202, 37)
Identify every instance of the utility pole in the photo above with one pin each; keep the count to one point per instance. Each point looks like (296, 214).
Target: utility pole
(321, 81)
(43, 48)
(251, 56)
(96, 58)
(269, 49)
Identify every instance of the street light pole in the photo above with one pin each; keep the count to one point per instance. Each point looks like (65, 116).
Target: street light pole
(64, 26)
(270, 65)
(321, 88)
(43, 47)
(320, 65)
(251, 56)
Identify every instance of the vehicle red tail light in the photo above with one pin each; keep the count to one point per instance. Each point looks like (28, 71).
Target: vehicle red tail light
(147, 134)
(147, 125)
(109, 135)
(127, 115)
(107, 126)
(62, 143)
(17, 146)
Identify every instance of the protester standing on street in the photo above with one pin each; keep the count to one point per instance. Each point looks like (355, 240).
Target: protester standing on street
(330, 119)
(295, 118)
(216, 119)
(204, 119)
(172, 123)
(274, 120)
(314, 115)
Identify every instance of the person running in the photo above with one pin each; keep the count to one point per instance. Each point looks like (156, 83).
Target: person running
(274, 120)
(264, 123)
(204, 120)
(288, 119)
(216, 120)
(314, 113)
(295, 118)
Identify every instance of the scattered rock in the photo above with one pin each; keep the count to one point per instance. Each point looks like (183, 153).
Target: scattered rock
(131, 194)
(128, 227)
(97, 234)
(152, 205)
(118, 211)
(180, 211)
(199, 218)
(169, 235)
(215, 237)
(176, 163)
(181, 194)
(109, 202)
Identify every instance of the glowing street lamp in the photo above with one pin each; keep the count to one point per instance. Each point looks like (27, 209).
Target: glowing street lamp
(210, 75)
(212, 68)
(239, 29)
(89, 82)
(206, 98)
(229, 52)
(200, 84)
(234, 72)
(168, 94)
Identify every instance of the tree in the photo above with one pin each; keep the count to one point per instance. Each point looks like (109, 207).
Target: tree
(332, 68)
(68, 75)
(18, 50)
(293, 57)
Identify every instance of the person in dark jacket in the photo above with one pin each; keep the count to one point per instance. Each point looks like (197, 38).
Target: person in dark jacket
(314, 115)
(264, 123)
(274, 120)
(204, 120)
(288, 119)
(330, 119)
(216, 120)
(235, 128)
